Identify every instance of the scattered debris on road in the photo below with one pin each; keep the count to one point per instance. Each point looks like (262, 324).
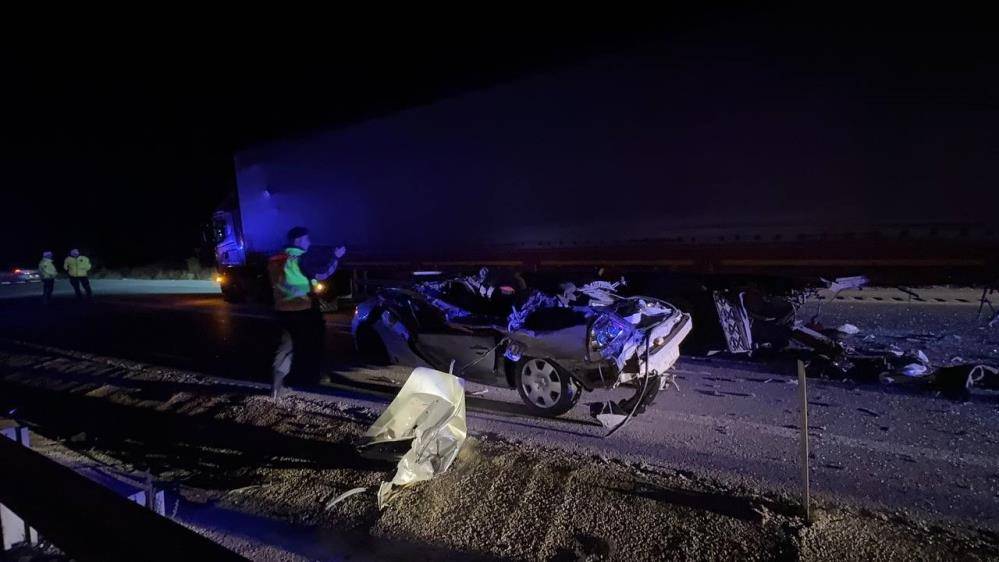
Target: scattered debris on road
(767, 328)
(848, 329)
(429, 414)
(841, 284)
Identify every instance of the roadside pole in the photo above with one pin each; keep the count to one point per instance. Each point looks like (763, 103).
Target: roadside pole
(803, 391)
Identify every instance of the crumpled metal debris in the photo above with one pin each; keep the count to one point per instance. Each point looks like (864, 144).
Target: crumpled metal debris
(955, 382)
(613, 415)
(893, 366)
(844, 283)
(811, 336)
(734, 322)
(537, 300)
(838, 353)
(429, 411)
(848, 329)
(914, 370)
(601, 293)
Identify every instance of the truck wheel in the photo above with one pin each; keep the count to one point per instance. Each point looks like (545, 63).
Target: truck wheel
(544, 387)
(232, 292)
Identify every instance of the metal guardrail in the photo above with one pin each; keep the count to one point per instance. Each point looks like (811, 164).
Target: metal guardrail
(90, 522)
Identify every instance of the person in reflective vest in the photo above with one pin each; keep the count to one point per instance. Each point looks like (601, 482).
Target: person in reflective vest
(300, 352)
(47, 271)
(77, 266)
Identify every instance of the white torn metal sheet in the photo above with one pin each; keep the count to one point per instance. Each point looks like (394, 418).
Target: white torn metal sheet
(914, 370)
(844, 283)
(815, 340)
(568, 294)
(601, 293)
(848, 329)
(611, 420)
(477, 284)
(430, 411)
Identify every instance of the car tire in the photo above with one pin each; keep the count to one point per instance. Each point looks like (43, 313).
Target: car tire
(545, 387)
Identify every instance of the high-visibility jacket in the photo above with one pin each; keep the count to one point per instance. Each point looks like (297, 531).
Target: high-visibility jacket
(291, 286)
(47, 269)
(76, 267)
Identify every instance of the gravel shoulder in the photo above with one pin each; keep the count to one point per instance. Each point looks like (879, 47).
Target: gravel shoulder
(228, 453)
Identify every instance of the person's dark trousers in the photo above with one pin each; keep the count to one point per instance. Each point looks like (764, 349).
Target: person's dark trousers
(48, 285)
(76, 282)
(305, 331)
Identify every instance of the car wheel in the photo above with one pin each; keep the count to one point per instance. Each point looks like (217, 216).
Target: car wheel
(544, 387)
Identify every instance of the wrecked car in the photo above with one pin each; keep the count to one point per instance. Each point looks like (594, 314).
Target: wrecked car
(550, 347)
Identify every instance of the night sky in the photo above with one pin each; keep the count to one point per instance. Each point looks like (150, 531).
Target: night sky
(124, 147)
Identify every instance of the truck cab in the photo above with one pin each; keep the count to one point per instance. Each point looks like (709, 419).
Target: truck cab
(237, 279)
(228, 245)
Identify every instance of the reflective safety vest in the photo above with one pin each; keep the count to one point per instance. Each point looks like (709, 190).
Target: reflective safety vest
(47, 269)
(291, 286)
(76, 267)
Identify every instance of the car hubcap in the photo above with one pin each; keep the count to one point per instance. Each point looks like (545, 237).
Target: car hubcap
(541, 382)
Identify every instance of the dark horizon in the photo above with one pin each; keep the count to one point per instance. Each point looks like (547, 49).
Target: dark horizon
(128, 161)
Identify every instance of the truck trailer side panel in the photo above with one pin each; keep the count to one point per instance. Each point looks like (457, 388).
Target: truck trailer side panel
(632, 155)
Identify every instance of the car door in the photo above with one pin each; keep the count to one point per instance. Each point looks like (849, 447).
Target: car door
(440, 341)
(473, 352)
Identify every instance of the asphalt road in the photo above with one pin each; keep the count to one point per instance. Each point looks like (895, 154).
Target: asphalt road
(736, 421)
(16, 290)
